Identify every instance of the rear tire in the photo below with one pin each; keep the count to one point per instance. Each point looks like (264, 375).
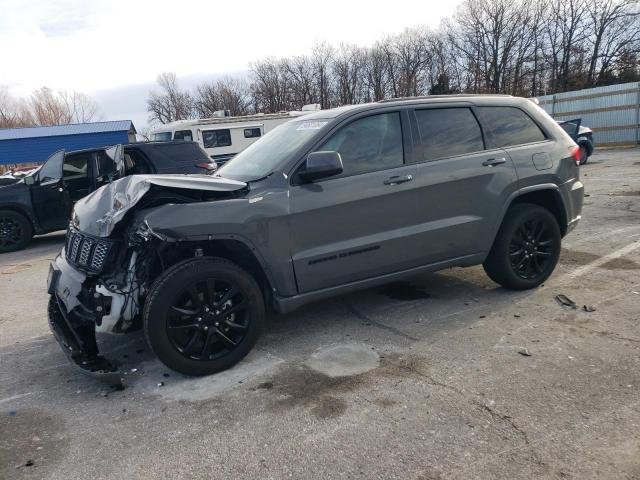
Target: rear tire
(526, 249)
(15, 231)
(203, 316)
(584, 154)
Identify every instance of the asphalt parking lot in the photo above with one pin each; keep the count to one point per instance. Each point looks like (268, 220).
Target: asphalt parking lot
(444, 376)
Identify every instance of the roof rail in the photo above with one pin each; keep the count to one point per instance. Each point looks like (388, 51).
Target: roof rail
(453, 95)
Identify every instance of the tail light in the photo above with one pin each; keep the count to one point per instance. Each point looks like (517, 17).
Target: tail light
(574, 150)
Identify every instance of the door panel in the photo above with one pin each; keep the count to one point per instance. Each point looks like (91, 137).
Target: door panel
(48, 196)
(460, 201)
(351, 228)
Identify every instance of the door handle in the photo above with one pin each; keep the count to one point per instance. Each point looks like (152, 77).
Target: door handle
(397, 179)
(494, 161)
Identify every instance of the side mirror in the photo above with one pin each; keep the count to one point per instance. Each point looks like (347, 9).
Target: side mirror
(321, 165)
(30, 179)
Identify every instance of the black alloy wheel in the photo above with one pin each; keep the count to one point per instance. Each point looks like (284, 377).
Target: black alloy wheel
(531, 248)
(208, 319)
(526, 249)
(15, 231)
(203, 315)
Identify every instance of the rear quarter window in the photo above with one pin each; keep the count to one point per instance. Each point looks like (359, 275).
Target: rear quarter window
(510, 126)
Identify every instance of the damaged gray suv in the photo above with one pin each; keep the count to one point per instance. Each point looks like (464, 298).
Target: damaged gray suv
(325, 204)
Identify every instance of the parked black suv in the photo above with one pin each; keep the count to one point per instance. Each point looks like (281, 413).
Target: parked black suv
(335, 201)
(41, 202)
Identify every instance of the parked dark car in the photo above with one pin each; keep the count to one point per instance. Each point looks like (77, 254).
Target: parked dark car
(41, 202)
(332, 202)
(583, 136)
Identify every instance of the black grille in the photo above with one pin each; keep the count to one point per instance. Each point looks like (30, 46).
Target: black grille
(85, 252)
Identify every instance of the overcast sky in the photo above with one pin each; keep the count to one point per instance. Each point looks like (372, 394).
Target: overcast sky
(114, 49)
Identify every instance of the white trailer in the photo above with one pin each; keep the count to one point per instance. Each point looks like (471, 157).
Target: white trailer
(222, 137)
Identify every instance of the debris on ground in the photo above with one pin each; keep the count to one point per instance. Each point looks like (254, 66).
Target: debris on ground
(588, 308)
(516, 315)
(524, 352)
(161, 384)
(566, 301)
(28, 463)
(20, 267)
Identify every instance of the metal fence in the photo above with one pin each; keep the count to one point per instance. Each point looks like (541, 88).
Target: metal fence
(612, 112)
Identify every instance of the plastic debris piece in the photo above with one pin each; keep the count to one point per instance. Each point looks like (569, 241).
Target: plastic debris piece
(134, 370)
(516, 315)
(566, 301)
(161, 384)
(588, 308)
(524, 352)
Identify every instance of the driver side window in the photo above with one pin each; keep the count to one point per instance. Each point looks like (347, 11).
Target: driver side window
(368, 144)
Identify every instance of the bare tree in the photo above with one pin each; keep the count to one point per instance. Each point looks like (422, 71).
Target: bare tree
(171, 103)
(13, 112)
(227, 93)
(615, 29)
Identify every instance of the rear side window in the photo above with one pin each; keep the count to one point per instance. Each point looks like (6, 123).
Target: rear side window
(511, 126)
(216, 138)
(252, 132)
(447, 132)
(368, 144)
(183, 135)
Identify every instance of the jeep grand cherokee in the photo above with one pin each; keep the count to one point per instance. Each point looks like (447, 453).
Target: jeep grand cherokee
(335, 201)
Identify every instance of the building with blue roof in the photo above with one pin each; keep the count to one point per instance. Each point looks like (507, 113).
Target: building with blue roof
(36, 144)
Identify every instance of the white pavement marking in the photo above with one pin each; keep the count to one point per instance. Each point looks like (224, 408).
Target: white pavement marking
(621, 252)
(15, 397)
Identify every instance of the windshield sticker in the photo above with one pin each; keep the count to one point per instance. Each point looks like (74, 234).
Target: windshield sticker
(311, 125)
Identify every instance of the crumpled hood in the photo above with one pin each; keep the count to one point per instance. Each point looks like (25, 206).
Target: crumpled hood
(98, 213)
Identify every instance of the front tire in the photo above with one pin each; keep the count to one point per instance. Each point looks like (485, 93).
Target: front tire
(526, 249)
(15, 231)
(203, 316)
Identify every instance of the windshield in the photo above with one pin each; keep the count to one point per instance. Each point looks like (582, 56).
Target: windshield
(263, 156)
(161, 137)
(51, 171)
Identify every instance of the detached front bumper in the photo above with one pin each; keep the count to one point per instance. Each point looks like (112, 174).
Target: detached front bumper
(73, 325)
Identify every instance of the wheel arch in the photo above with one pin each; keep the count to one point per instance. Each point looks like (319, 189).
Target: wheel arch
(234, 249)
(546, 196)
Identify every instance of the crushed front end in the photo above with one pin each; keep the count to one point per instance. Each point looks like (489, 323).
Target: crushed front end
(99, 281)
(94, 288)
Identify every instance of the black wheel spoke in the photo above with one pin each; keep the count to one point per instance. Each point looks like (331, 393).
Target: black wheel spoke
(205, 353)
(234, 309)
(235, 325)
(188, 325)
(228, 296)
(189, 312)
(208, 319)
(224, 338)
(192, 341)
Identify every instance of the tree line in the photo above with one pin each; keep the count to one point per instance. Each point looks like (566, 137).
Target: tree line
(46, 107)
(519, 47)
